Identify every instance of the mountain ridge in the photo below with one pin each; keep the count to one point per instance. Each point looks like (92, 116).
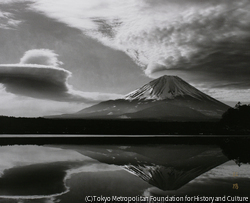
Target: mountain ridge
(166, 87)
(167, 98)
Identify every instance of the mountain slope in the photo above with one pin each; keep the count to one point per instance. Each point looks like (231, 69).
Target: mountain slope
(168, 97)
(168, 111)
(166, 87)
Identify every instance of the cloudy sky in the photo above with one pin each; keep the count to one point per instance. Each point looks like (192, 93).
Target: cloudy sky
(63, 55)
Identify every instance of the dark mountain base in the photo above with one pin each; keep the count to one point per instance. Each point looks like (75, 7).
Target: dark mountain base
(12, 125)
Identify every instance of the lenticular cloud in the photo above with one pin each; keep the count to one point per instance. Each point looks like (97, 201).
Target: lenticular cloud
(41, 57)
(39, 81)
(38, 76)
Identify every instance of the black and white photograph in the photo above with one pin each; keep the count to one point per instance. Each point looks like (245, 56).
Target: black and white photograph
(124, 101)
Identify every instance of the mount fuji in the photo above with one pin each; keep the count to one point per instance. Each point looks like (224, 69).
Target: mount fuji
(168, 167)
(167, 98)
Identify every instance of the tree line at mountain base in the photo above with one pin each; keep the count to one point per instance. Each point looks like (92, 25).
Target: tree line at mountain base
(10, 125)
(235, 121)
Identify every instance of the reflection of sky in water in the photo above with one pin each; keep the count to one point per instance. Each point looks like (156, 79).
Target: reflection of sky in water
(12, 156)
(86, 176)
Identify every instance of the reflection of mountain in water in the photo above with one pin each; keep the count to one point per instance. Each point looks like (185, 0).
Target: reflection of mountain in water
(175, 175)
(167, 167)
(156, 175)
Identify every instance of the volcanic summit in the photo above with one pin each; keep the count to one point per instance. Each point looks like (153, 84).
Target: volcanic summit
(166, 98)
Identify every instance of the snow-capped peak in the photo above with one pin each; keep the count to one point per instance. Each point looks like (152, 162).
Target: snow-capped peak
(165, 87)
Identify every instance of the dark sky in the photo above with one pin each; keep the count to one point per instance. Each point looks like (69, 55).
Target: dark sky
(114, 47)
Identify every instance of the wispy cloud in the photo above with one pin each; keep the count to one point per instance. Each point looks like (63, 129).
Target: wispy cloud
(205, 40)
(7, 20)
(224, 94)
(168, 33)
